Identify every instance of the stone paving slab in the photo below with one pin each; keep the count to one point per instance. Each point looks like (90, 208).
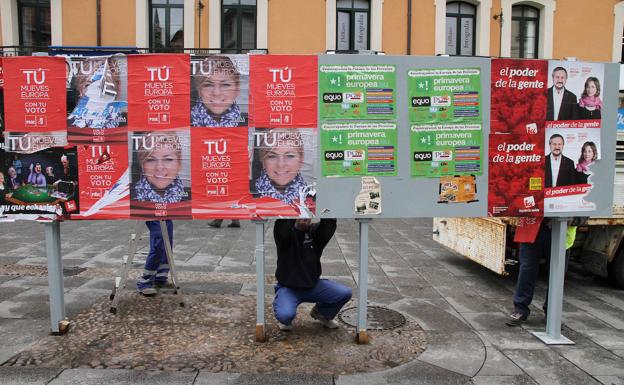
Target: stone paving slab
(459, 352)
(27, 376)
(522, 379)
(548, 368)
(497, 364)
(115, 376)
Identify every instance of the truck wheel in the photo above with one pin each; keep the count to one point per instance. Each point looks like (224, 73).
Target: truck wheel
(616, 270)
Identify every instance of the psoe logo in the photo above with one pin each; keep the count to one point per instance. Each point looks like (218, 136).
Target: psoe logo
(423, 156)
(440, 156)
(529, 202)
(334, 155)
(441, 101)
(353, 97)
(531, 128)
(354, 154)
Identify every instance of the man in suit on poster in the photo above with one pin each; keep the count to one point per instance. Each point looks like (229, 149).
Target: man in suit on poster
(560, 169)
(561, 104)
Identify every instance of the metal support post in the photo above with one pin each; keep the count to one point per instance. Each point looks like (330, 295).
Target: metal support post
(552, 335)
(259, 255)
(361, 335)
(58, 323)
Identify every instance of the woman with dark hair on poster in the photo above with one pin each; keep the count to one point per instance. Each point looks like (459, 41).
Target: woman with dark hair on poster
(589, 153)
(590, 104)
(281, 154)
(216, 92)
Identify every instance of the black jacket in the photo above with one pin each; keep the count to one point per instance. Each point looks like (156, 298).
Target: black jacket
(568, 108)
(299, 253)
(567, 173)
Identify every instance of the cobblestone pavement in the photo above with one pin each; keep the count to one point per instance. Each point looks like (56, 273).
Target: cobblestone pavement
(454, 305)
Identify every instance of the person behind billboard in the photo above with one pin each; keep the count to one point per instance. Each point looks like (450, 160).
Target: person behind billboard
(300, 244)
(561, 104)
(560, 169)
(589, 153)
(281, 157)
(216, 93)
(36, 178)
(589, 105)
(98, 88)
(159, 180)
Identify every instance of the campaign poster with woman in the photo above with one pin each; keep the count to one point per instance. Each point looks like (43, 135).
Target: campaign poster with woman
(574, 90)
(572, 150)
(160, 183)
(97, 99)
(283, 174)
(219, 91)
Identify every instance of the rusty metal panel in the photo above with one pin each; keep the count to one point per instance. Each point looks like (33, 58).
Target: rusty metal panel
(482, 240)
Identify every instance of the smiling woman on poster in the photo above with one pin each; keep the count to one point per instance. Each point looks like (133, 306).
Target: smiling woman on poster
(159, 181)
(589, 153)
(281, 154)
(216, 89)
(590, 104)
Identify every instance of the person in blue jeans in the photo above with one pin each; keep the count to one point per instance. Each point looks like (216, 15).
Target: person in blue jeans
(156, 270)
(300, 245)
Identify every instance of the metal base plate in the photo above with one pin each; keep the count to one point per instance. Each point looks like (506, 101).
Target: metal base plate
(549, 340)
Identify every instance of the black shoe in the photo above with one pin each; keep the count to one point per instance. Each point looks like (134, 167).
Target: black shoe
(214, 224)
(234, 224)
(516, 319)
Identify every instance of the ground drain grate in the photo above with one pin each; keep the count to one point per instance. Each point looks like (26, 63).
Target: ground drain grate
(377, 318)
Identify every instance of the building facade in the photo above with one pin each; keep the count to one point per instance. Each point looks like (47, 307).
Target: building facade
(587, 30)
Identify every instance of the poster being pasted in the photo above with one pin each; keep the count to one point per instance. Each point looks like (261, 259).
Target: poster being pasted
(283, 171)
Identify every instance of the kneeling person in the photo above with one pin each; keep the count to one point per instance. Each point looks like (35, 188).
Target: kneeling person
(300, 244)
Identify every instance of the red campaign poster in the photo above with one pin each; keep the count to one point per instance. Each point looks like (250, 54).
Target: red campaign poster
(158, 91)
(160, 174)
(516, 175)
(516, 150)
(34, 90)
(220, 173)
(104, 181)
(283, 90)
(518, 96)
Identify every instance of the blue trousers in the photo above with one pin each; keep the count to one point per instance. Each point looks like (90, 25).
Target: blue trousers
(329, 297)
(156, 264)
(530, 256)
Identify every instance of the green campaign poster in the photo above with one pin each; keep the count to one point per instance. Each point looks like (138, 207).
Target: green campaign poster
(357, 91)
(445, 115)
(359, 148)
